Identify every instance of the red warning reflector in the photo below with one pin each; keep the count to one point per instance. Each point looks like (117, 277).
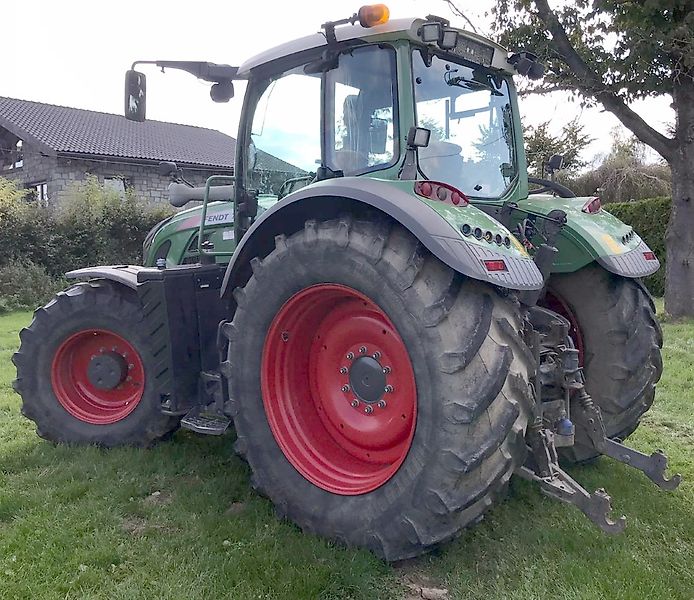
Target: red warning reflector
(649, 255)
(495, 265)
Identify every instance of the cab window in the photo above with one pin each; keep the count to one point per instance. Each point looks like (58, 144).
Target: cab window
(285, 135)
(360, 111)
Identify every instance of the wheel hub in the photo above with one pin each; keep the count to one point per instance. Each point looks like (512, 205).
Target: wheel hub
(107, 371)
(97, 376)
(367, 379)
(338, 389)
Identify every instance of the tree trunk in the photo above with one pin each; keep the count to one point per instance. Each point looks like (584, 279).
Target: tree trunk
(679, 243)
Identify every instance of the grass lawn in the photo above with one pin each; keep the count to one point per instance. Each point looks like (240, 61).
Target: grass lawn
(180, 521)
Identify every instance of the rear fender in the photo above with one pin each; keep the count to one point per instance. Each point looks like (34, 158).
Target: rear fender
(599, 237)
(434, 224)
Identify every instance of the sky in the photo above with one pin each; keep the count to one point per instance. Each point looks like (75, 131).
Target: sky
(75, 53)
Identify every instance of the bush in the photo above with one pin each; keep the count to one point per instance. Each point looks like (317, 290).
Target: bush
(649, 218)
(94, 225)
(26, 285)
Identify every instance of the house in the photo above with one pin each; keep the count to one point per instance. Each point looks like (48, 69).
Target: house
(48, 148)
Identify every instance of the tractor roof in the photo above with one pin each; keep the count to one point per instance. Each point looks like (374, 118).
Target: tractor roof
(393, 29)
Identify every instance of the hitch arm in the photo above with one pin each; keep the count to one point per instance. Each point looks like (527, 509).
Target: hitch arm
(596, 506)
(653, 466)
(543, 468)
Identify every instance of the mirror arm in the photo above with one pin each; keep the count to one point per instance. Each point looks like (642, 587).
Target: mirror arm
(206, 71)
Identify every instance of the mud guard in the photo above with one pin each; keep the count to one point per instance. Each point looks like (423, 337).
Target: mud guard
(598, 237)
(124, 274)
(439, 236)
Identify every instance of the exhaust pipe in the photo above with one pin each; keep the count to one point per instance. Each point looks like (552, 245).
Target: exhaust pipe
(180, 194)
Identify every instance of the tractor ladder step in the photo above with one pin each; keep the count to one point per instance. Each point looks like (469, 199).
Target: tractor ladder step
(207, 423)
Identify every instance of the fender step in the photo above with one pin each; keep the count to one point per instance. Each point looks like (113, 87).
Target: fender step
(207, 423)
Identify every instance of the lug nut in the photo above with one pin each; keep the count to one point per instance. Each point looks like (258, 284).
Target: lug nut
(368, 409)
(343, 370)
(381, 404)
(350, 355)
(355, 403)
(362, 350)
(131, 367)
(377, 355)
(386, 370)
(388, 388)
(345, 388)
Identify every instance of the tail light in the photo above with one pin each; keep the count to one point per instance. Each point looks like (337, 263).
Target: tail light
(435, 190)
(592, 206)
(649, 255)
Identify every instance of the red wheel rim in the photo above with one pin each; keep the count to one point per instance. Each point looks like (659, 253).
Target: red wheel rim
(327, 354)
(558, 305)
(76, 387)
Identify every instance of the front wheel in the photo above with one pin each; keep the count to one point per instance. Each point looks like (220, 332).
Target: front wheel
(380, 398)
(87, 371)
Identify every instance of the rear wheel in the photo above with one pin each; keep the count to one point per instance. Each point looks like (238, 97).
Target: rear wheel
(614, 327)
(86, 370)
(380, 398)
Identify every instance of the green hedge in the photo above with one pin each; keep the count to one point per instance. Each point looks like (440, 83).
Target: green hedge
(92, 226)
(649, 218)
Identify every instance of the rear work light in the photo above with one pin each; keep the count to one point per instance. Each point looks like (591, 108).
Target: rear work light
(495, 265)
(649, 255)
(592, 206)
(435, 190)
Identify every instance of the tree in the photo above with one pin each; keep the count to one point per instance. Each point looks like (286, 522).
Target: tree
(540, 144)
(611, 52)
(624, 174)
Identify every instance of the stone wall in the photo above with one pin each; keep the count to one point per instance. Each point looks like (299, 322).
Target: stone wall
(62, 174)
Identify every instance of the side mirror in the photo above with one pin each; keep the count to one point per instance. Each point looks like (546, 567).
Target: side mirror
(378, 136)
(222, 91)
(555, 163)
(135, 96)
(526, 64)
(167, 168)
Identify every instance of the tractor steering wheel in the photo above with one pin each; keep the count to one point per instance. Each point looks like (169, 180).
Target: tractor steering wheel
(550, 186)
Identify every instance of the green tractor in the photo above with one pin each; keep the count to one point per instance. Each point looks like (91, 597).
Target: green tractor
(395, 329)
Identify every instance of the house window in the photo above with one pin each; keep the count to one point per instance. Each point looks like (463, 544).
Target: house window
(117, 184)
(39, 191)
(12, 158)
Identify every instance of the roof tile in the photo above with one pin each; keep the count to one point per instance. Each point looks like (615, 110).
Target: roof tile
(74, 130)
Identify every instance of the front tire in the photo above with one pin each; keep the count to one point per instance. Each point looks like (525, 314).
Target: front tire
(336, 307)
(619, 339)
(87, 371)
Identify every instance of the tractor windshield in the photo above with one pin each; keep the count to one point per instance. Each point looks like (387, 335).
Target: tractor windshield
(469, 113)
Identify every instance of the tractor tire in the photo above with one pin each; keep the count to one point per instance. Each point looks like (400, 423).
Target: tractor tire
(85, 370)
(380, 398)
(614, 326)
